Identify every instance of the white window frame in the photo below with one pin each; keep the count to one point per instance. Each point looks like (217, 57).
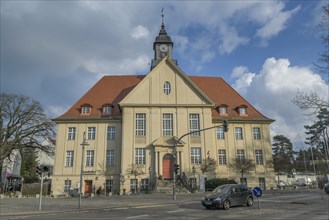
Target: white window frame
(242, 110)
(140, 156)
(145, 183)
(69, 158)
(90, 158)
(71, 133)
(111, 133)
(110, 157)
(133, 185)
(107, 109)
(167, 88)
(220, 133)
(222, 156)
(240, 154)
(259, 157)
(256, 133)
(196, 155)
(140, 124)
(194, 120)
(85, 110)
(91, 133)
(223, 110)
(167, 124)
(238, 133)
(67, 185)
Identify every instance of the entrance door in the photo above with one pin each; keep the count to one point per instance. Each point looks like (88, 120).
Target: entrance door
(167, 166)
(88, 187)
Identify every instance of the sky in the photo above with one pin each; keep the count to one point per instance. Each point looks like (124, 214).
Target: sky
(55, 51)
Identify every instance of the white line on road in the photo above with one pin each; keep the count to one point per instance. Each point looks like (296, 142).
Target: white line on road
(137, 216)
(179, 210)
(148, 206)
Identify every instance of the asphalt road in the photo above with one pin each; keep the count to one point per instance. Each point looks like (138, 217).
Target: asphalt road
(308, 205)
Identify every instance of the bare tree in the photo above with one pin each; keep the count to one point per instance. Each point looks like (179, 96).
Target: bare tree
(24, 125)
(242, 166)
(208, 164)
(135, 170)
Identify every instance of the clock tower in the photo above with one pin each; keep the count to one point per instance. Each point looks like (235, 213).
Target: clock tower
(162, 46)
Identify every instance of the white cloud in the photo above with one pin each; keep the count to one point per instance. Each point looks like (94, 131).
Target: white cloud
(140, 32)
(276, 23)
(230, 39)
(274, 88)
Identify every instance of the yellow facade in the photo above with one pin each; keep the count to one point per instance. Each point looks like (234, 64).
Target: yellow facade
(149, 98)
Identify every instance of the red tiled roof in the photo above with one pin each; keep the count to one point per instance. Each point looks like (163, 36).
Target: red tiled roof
(112, 89)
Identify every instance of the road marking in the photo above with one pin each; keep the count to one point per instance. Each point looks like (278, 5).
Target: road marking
(120, 208)
(148, 206)
(179, 210)
(137, 216)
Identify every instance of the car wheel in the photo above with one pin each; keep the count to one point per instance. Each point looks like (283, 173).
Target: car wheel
(226, 205)
(250, 201)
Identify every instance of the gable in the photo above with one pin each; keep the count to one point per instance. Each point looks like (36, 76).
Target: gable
(166, 85)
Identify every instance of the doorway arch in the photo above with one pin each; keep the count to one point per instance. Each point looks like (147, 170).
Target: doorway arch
(167, 166)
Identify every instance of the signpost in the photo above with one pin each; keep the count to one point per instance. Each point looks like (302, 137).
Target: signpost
(257, 191)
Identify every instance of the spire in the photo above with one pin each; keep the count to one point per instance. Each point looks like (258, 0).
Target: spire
(163, 37)
(162, 15)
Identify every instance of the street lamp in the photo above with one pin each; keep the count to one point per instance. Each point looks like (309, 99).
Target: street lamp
(149, 186)
(83, 144)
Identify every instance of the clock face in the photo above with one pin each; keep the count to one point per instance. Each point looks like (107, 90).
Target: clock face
(163, 48)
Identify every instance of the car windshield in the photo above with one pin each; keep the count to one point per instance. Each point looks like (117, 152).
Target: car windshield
(221, 189)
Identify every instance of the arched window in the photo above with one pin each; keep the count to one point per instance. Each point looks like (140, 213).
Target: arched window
(166, 88)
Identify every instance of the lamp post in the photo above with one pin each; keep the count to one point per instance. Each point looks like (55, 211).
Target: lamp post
(224, 125)
(149, 186)
(83, 144)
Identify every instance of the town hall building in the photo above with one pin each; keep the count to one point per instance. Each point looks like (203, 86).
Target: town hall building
(131, 124)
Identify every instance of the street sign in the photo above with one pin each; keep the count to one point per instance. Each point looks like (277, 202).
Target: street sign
(257, 191)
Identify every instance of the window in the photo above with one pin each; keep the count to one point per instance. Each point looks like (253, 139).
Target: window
(69, 158)
(140, 156)
(71, 133)
(222, 157)
(196, 155)
(110, 132)
(220, 133)
(67, 185)
(133, 185)
(238, 133)
(144, 184)
(259, 157)
(107, 109)
(85, 110)
(90, 158)
(193, 183)
(240, 154)
(242, 110)
(256, 133)
(194, 124)
(140, 124)
(166, 88)
(222, 110)
(110, 157)
(167, 127)
(109, 186)
(91, 133)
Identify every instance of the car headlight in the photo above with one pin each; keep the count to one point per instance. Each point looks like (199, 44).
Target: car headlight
(202, 198)
(217, 199)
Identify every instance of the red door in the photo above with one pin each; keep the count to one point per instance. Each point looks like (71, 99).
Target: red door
(167, 166)
(88, 187)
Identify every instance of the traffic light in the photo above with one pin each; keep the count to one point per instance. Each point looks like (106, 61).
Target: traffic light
(39, 170)
(176, 168)
(45, 169)
(225, 125)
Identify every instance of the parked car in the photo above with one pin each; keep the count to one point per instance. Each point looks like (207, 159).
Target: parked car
(226, 196)
(326, 188)
(303, 182)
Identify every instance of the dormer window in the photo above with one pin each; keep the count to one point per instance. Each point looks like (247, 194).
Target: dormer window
(107, 109)
(242, 110)
(222, 110)
(85, 110)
